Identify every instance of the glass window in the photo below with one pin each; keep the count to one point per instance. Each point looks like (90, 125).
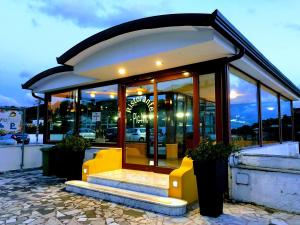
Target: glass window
(207, 107)
(269, 113)
(286, 119)
(62, 110)
(243, 109)
(99, 114)
(175, 120)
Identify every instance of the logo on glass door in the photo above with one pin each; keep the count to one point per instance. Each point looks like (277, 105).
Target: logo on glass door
(139, 99)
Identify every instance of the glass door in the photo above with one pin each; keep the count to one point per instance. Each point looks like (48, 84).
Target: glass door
(139, 125)
(165, 117)
(175, 120)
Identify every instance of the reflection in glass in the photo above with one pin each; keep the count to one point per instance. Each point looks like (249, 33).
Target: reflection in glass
(243, 109)
(175, 121)
(270, 120)
(286, 119)
(62, 110)
(207, 107)
(139, 134)
(99, 114)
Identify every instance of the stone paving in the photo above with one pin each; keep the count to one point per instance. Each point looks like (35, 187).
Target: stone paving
(30, 198)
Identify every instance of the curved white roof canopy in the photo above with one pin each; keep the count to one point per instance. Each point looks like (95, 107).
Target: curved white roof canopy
(175, 40)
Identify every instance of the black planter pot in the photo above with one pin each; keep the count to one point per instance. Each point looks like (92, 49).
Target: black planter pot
(69, 164)
(60, 159)
(74, 165)
(211, 181)
(48, 161)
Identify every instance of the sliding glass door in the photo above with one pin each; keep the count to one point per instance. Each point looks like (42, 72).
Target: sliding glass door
(165, 117)
(175, 120)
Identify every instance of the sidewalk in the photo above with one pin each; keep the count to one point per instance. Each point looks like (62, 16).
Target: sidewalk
(30, 198)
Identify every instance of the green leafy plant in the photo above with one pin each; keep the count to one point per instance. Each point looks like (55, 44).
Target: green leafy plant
(73, 143)
(208, 150)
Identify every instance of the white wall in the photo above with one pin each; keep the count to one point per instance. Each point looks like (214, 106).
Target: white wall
(268, 180)
(10, 157)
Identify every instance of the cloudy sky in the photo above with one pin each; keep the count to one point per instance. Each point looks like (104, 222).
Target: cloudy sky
(35, 32)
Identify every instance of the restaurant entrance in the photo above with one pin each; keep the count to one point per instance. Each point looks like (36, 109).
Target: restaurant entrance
(159, 120)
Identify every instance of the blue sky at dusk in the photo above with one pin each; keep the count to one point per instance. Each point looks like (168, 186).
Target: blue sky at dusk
(35, 32)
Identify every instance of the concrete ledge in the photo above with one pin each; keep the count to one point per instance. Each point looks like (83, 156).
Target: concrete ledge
(285, 149)
(266, 179)
(266, 161)
(11, 157)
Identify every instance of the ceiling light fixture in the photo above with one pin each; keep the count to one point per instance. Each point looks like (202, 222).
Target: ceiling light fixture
(186, 74)
(158, 63)
(121, 71)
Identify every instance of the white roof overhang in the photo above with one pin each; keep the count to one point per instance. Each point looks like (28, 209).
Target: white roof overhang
(138, 51)
(251, 68)
(60, 81)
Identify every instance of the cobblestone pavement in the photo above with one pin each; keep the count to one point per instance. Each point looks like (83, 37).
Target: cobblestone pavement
(30, 198)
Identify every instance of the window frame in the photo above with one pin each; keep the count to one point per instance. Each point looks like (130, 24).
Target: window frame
(279, 96)
(257, 85)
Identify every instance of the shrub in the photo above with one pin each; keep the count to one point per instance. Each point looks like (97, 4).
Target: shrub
(208, 150)
(73, 143)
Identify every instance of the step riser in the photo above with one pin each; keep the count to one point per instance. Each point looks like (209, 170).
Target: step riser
(171, 211)
(129, 186)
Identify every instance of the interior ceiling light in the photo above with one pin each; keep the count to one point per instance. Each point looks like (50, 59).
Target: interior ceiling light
(158, 63)
(121, 71)
(93, 94)
(186, 74)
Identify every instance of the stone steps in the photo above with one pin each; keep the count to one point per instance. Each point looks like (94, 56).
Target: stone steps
(150, 202)
(128, 185)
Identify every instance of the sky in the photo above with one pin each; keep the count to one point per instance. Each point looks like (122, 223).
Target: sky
(35, 32)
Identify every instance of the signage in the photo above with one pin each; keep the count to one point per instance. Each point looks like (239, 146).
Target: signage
(140, 99)
(10, 121)
(96, 116)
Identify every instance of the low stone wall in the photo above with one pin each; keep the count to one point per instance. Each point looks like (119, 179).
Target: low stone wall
(285, 149)
(11, 157)
(265, 179)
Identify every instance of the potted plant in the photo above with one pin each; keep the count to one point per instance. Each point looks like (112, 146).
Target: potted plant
(210, 166)
(69, 157)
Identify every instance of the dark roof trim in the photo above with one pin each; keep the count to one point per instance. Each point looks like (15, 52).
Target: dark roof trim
(46, 73)
(215, 20)
(224, 27)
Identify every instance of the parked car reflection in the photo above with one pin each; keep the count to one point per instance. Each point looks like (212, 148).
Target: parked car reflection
(8, 139)
(85, 133)
(111, 134)
(19, 138)
(136, 134)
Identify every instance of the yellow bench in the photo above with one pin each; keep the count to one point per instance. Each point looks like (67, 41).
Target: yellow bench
(105, 160)
(182, 182)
